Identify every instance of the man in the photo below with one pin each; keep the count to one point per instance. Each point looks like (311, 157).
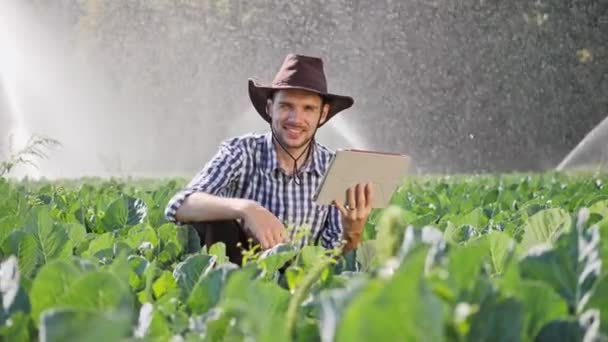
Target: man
(266, 182)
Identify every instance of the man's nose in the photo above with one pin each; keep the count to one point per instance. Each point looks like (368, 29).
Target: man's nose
(293, 115)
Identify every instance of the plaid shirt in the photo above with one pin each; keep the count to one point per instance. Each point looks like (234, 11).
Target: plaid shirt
(247, 167)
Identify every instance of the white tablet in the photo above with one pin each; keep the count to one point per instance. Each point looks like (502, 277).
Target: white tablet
(349, 167)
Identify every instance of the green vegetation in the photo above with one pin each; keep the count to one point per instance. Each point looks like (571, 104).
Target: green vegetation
(459, 258)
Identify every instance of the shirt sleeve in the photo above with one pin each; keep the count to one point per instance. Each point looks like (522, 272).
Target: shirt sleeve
(331, 236)
(215, 177)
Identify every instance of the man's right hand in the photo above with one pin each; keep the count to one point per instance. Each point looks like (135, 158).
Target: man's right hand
(263, 225)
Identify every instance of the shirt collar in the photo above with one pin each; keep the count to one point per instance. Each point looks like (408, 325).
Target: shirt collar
(271, 162)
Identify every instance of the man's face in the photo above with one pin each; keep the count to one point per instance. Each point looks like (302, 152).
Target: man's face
(295, 115)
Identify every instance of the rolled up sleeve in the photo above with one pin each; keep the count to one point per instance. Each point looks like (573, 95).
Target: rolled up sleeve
(214, 178)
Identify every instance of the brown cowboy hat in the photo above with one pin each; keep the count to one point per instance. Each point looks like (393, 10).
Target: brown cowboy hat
(298, 72)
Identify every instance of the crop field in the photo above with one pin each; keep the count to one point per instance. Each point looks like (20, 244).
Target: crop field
(459, 258)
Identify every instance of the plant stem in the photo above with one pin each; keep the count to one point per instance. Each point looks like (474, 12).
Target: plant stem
(301, 292)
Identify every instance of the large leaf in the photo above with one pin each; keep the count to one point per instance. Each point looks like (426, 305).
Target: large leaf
(545, 227)
(501, 245)
(18, 329)
(465, 263)
(52, 240)
(124, 212)
(99, 243)
(599, 301)
(207, 291)
(571, 267)
(25, 247)
(52, 283)
(8, 223)
(98, 290)
(497, 320)
(273, 259)
(459, 234)
(141, 234)
(366, 256)
(476, 218)
(164, 284)
(332, 304)
(541, 305)
(586, 328)
(260, 306)
(371, 315)
(76, 232)
(67, 324)
(189, 272)
(600, 207)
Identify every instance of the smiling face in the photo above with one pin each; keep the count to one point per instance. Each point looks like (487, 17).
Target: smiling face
(295, 115)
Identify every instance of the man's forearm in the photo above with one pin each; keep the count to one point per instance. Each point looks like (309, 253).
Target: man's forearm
(200, 207)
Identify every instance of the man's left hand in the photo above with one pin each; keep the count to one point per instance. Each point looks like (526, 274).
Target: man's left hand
(355, 213)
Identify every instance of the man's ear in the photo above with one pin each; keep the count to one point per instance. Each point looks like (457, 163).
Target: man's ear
(268, 106)
(324, 113)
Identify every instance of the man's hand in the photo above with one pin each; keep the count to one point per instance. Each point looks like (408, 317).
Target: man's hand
(263, 225)
(355, 213)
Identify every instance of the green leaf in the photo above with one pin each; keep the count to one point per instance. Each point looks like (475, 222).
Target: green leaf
(475, 218)
(218, 249)
(366, 256)
(465, 263)
(273, 259)
(8, 224)
(500, 246)
(98, 290)
(570, 330)
(459, 234)
(189, 272)
(76, 232)
(371, 314)
(489, 323)
(25, 247)
(260, 305)
(332, 304)
(18, 330)
(599, 301)
(541, 306)
(99, 243)
(52, 240)
(51, 283)
(571, 267)
(124, 212)
(141, 234)
(163, 284)
(545, 227)
(207, 291)
(67, 324)
(600, 208)
(390, 228)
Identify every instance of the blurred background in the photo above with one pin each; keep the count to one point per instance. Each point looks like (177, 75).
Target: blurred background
(150, 87)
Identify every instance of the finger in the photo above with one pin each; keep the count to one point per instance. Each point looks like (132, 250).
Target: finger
(341, 208)
(279, 237)
(350, 195)
(272, 239)
(361, 202)
(263, 243)
(369, 194)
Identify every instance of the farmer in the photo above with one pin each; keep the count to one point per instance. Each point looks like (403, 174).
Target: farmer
(259, 184)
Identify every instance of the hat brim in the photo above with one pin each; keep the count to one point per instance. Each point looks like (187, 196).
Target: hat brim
(259, 94)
